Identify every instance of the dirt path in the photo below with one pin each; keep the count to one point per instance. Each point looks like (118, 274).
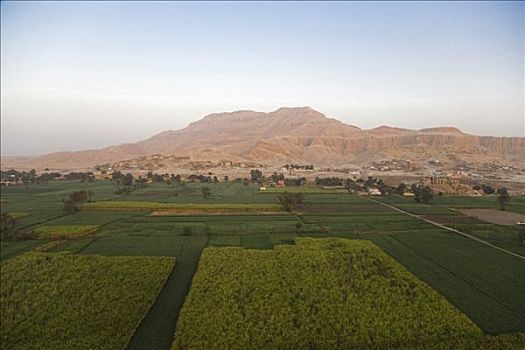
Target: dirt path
(447, 228)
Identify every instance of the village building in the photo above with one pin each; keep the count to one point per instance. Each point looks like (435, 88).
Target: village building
(11, 180)
(374, 192)
(280, 183)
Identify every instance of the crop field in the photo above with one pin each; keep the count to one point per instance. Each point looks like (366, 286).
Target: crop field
(222, 192)
(516, 204)
(173, 221)
(484, 283)
(328, 293)
(9, 249)
(109, 295)
(62, 231)
(495, 216)
(181, 207)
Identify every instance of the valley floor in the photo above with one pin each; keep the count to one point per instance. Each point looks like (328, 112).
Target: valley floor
(236, 255)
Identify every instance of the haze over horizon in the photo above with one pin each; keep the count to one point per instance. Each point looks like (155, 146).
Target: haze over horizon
(89, 75)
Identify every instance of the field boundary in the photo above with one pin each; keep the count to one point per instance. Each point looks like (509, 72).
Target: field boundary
(449, 229)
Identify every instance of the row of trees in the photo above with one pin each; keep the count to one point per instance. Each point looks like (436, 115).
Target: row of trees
(32, 177)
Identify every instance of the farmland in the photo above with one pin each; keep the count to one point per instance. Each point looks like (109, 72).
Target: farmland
(58, 231)
(110, 297)
(482, 285)
(328, 293)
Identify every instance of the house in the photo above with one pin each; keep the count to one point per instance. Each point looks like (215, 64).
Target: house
(280, 184)
(408, 194)
(11, 180)
(374, 192)
(262, 189)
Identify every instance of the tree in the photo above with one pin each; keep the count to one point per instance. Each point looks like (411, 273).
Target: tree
(226, 178)
(117, 175)
(291, 201)
(75, 201)
(401, 188)
(7, 226)
(205, 192)
(503, 197)
(298, 227)
(127, 180)
(256, 175)
(488, 189)
(157, 178)
(422, 193)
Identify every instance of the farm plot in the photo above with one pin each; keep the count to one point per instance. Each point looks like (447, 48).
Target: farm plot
(99, 217)
(495, 216)
(43, 202)
(319, 293)
(509, 238)
(352, 208)
(516, 204)
(486, 284)
(8, 249)
(134, 246)
(221, 192)
(64, 231)
(65, 301)
(334, 223)
(183, 207)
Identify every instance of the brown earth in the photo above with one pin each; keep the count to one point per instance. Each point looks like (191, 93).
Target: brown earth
(495, 216)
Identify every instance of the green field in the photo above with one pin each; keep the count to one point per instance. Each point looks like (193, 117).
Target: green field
(483, 283)
(65, 301)
(321, 294)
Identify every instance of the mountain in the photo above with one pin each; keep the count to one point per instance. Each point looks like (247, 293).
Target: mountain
(300, 135)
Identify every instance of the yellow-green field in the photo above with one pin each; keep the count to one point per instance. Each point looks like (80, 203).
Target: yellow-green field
(64, 231)
(66, 301)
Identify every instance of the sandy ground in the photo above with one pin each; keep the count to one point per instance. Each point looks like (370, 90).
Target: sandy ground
(495, 216)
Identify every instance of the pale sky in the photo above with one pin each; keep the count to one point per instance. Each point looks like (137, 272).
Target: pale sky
(81, 75)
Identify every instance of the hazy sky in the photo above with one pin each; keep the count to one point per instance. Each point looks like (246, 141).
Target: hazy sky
(91, 74)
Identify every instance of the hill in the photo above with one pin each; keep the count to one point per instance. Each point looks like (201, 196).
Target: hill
(300, 135)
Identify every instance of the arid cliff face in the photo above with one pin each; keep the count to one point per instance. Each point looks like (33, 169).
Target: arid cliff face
(291, 135)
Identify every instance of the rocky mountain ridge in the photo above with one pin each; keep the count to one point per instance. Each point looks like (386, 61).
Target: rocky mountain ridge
(291, 135)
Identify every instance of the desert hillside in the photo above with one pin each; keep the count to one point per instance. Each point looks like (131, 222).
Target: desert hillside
(291, 135)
